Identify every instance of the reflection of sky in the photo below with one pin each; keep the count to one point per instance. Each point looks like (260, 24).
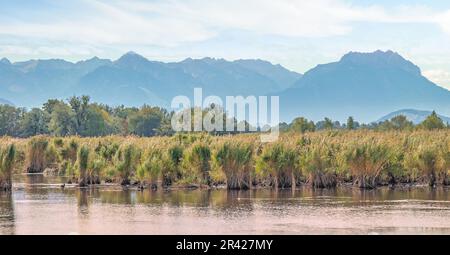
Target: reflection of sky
(297, 34)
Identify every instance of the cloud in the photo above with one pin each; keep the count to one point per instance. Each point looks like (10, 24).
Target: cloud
(284, 18)
(443, 19)
(439, 76)
(174, 22)
(102, 23)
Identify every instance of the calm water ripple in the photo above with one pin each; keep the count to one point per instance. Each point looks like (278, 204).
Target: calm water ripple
(38, 205)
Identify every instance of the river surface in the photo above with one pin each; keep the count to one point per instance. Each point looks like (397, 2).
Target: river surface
(38, 205)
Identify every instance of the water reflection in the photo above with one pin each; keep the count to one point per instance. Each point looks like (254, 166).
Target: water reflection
(82, 199)
(7, 220)
(39, 204)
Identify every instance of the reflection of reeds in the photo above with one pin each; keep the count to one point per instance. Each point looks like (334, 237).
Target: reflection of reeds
(7, 219)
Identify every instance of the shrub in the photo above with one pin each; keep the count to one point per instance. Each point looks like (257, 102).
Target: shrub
(151, 168)
(83, 161)
(198, 159)
(235, 160)
(127, 159)
(366, 162)
(279, 162)
(36, 155)
(430, 164)
(7, 160)
(319, 162)
(172, 168)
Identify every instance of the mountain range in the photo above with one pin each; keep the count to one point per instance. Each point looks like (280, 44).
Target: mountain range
(362, 85)
(134, 80)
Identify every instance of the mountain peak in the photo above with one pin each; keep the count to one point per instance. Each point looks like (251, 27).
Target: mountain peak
(94, 58)
(131, 57)
(380, 59)
(5, 61)
(378, 55)
(210, 60)
(130, 53)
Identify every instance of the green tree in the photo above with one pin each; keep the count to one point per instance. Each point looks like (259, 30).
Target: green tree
(147, 121)
(328, 124)
(10, 120)
(80, 106)
(62, 120)
(51, 104)
(350, 123)
(97, 122)
(432, 122)
(400, 122)
(35, 122)
(302, 125)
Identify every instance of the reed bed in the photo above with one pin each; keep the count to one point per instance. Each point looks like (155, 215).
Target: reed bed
(7, 161)
(363, 158)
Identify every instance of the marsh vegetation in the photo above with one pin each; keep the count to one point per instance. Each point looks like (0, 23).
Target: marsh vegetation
(363, 158)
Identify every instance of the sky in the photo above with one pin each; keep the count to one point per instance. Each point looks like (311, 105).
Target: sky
(296, 34)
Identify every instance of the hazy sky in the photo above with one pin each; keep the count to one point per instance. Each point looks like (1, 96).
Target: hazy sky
(296, 34)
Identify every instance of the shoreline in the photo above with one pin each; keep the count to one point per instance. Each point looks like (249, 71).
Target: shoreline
(192, 187)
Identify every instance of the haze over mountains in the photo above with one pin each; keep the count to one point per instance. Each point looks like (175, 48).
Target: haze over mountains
(134, 80)
(363, 85)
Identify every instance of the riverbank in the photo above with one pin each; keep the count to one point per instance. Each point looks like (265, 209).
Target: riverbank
(64, 184)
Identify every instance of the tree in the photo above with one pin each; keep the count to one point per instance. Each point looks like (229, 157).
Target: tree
(350, 123)
(147, 121)
(63, 120)
(80, 107)
(34, 123)
(10, 120)
(328, 124)
(302, 125)
(432, 122)
(95, 122)
(51, 104)
(283, 127)
(400, 122)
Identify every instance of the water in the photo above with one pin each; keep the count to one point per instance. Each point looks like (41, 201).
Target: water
(38, 205)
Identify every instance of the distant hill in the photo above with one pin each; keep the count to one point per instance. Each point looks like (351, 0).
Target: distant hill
(362, 85)
(416, 116)
(134, 80)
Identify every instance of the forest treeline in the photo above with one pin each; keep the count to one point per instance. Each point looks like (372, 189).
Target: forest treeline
(79, 116)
